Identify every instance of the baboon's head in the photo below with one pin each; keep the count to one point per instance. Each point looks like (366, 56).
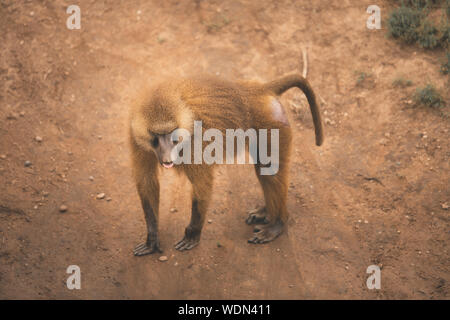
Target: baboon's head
(154, 118)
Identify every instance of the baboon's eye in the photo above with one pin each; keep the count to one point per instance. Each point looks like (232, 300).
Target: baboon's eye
(155, 142)
(180, 139)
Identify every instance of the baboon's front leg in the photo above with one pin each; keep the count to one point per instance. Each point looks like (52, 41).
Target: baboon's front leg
(194, 229)
(151, 245)
(202, 181)
(147, 183)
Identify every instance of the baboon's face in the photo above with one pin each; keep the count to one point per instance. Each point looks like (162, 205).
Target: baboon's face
(157, 139)
(163, 145)
(154, 120)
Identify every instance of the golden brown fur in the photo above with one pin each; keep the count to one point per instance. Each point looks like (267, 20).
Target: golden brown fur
(221, 105)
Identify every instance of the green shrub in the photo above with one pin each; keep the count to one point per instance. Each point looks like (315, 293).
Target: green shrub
(411, 25)
(429, 96)
(403, 23)
(427, 35)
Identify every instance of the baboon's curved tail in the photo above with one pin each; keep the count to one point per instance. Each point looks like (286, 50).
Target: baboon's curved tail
(281, 85)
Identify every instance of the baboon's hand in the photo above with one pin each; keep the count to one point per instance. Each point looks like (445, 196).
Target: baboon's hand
(147, 248)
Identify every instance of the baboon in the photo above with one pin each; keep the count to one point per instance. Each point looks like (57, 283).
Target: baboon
(222, 105)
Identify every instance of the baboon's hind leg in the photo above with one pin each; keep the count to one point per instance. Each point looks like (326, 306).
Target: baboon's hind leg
(275, 189)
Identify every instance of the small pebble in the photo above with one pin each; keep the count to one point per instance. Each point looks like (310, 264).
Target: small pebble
(172, 210)
(63, 208)
(108, 199)
(3, 156)
(163, 258)
(209, 221)
(12, 116)
(45, 193)
(91, 178)
(38, 139)
(27, 163)
(100, 196)
(22, 113)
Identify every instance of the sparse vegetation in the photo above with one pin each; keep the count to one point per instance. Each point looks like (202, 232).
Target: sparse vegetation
(445, 66)
(429, 96)
(420, 4)
(361, 77)
(402, 82)
(219, 22)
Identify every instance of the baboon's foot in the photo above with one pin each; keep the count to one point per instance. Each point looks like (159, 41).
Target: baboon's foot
(266, 232)
(257, 216)
(190, 240)
(147, 248)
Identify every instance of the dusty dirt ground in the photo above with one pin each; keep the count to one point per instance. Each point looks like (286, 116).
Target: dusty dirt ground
(374, 193)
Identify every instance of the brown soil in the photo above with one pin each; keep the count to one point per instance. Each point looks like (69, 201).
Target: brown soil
(374, 193)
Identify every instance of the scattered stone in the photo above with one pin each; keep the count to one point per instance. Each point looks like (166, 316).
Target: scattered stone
(163, 258)
(27, 163)
(12, 116)
(445, 206)
(3, 156)
(219, 245)
(291, 286)
(329, 121)
(108, 199)
(38, 139)
(35, 207)
(63, 208)
(91, 178)
(209, 221)
(365, 221)
(175, 264)
(173, 210)
(45, 193)
(22, 113)
(100, 196)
